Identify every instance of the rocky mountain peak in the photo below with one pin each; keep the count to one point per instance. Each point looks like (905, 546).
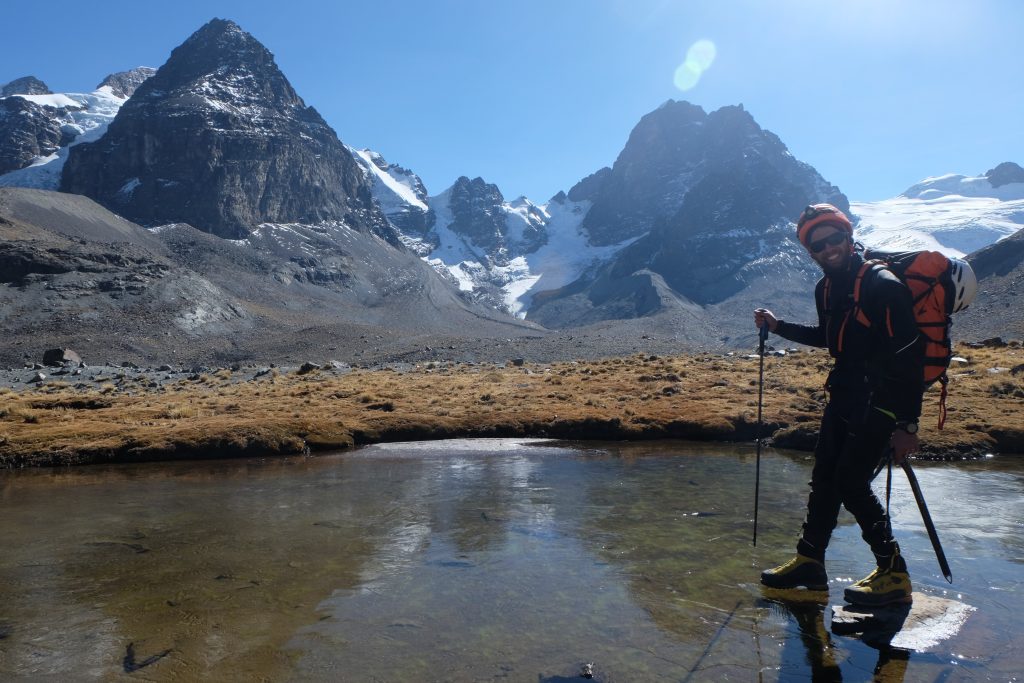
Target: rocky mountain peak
(476, 212)
(478, 191)
(124, 83)
(218, 138)
(1005, 173)
(668, 151)
(222, 62)
(710, 199)
(26, 85)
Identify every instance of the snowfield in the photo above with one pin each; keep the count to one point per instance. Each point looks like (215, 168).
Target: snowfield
(953, 214)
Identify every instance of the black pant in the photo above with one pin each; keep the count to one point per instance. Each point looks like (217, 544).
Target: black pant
(852, 440)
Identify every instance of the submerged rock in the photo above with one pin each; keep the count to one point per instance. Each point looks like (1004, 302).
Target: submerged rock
(918, 626)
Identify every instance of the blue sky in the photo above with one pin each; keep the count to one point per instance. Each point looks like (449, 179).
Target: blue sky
(534, 95)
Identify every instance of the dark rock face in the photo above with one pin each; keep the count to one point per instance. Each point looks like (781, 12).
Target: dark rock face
(476, 213)
(25, 263)
(730, 218)
(27, 85)
(219, 139)
(125, 83)
(480, 214)
(667, 154)
(27, 131)
(1005, 173)
(411, 221)
(589, 188)
(651, 174)
(1000, 258)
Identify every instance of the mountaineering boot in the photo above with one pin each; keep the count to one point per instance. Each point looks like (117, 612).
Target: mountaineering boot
(888, 583)
(800, 571)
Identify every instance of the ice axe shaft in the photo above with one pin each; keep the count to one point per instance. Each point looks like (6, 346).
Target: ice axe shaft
(762, 335)
(933, 536)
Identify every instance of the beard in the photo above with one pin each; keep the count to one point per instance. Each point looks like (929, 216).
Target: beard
(838, 267)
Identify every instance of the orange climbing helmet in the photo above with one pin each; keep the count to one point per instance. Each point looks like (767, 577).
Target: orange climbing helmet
(818, 214)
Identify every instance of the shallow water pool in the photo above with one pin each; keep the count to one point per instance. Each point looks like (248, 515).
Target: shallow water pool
(480, 560)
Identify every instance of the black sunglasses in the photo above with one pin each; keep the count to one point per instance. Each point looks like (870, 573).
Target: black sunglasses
(817, 246)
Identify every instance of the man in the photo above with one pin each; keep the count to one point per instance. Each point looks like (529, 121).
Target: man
(866, 320)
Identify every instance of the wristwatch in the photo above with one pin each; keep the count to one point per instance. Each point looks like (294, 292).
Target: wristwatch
(908, 427)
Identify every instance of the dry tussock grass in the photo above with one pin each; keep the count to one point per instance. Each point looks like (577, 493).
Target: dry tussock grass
(640, 397)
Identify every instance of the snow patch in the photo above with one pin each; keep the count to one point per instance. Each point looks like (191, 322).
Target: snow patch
(57, 100)
(129, 187)
(955, 185)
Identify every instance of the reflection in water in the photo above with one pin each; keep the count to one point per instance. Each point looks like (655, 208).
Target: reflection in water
(485, 560)
(815, 648)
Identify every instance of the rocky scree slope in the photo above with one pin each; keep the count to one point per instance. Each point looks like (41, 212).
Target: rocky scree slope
(75, 275)
(998, 310)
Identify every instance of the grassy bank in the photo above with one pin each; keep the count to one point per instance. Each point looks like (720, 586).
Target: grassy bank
(704, 397)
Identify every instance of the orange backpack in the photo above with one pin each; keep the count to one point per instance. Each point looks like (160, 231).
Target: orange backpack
(928, 276)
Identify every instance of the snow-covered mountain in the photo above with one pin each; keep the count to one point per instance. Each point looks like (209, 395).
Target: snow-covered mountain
(74, 118)
(544, 247)
(954, 214)
(498, 252)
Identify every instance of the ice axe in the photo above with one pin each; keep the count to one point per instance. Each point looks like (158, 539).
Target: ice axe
(926, 516)
(933, 536)
(762, 336)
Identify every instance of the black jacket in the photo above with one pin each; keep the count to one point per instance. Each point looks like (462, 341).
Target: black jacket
(881, 362)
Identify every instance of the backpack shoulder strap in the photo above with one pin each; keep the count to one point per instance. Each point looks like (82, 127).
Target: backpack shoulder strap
(866, 267)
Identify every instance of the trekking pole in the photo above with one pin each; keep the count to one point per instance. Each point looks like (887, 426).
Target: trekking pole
(762, 335)
(933, 536)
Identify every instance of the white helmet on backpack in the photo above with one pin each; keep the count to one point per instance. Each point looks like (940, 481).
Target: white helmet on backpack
(965, 284)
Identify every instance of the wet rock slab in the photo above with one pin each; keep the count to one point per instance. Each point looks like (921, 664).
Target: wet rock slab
(918, 626)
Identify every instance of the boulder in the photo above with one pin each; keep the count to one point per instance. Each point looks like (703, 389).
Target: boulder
(307, 368)
(55, 357)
